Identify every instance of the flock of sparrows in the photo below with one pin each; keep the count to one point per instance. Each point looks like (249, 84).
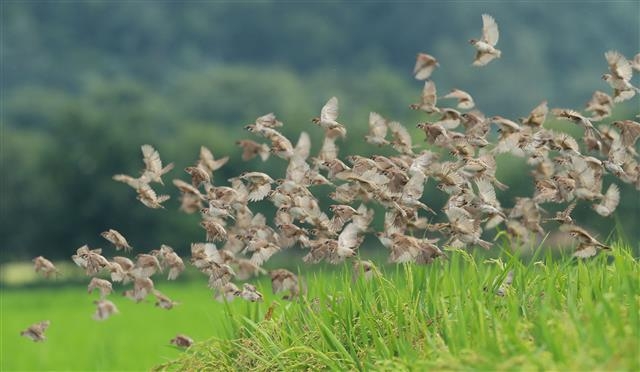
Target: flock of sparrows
(461, 163)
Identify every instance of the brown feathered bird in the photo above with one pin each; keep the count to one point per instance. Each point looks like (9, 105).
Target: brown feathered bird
(104, 309)
(465, 101)
(428, 99)
(45, 267)
(377, 130)
(285, 281)
(149, 198)
(104, 286)
(425, 64)
(629, 131)
(485, 46)
(35, 332)
(250, 293)
(153, 165)
(365, 268)
(537, 116)
(587, 245)
(251, 149)
(619, 77)
(115, 238)
(208, 162)
(329, 115)
(181, 340)
(164, 302)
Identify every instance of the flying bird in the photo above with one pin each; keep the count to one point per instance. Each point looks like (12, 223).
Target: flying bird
(465, 101)
(45, 267)
(485, 46)
(285, 281)
(104, 309)
(250, 293)
(428, 99)
(182, 341)
(329, 115)
(251, 149)
(162, 301)
(609, 201)
(365, 268)
(115, 238)
(208, 162)
(587, 245)
(619, 76)
(425, 64)
(35, 332)
(104, 286)
(153, 165)
(377, 130)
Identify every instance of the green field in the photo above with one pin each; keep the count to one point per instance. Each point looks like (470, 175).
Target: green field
(558, 314)
(136, 339)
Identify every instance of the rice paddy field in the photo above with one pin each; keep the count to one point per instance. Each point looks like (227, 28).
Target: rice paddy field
(558, 314)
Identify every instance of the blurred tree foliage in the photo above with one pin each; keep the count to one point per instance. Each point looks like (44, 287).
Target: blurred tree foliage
(84, 84)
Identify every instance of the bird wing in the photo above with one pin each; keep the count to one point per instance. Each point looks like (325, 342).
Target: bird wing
(539, 113)
(429, 94)
(297, 170)
(186, 188)
(151, 159)
(268, 120)
(415, 186)
(348, 238)
(630, 132)
(457, 94)
(303, 146)
(329, 150)
(611, 198)
(490, 32)
(260, 192)
(377, 125)
(205, 155)
(585, 250)
(133, 182)
(263, 254)
(486, 191)
(42, 326)
(465, 101)
(483, 58)
(402, 138)
(330, 110)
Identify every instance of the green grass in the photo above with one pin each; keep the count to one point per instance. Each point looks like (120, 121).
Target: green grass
(136, 339)
(559, 314)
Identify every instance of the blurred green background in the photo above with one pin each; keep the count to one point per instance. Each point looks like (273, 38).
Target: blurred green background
(84, 84)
